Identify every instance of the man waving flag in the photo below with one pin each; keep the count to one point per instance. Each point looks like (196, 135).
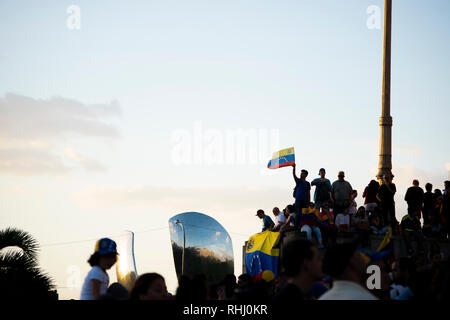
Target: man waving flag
(282, 158)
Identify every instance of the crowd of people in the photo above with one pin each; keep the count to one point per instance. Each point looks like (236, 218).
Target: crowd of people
(336, 211)
(339, 272)
(339, 275)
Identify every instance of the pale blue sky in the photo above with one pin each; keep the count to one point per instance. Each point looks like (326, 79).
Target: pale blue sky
(311, 70)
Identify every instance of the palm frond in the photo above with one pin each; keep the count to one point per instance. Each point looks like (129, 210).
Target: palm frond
(12, 237)
(16, 260)
(21, 278)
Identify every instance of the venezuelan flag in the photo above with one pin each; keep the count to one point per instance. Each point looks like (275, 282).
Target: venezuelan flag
(312, 217)
(260, 254)
(384, 249)
(282, 158)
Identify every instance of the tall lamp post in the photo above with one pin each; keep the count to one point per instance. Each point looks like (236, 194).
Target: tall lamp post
(385, 158)
(184, 245)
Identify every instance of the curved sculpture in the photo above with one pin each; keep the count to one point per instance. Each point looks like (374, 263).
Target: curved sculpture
(126, 266)
(200, 245)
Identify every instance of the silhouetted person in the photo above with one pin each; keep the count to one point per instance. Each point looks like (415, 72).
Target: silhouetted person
(322, 191)
(302, 266)
(370, 195)
(115, 291)
(341, 194)
(230, 286)
(414, 198)
(345, 264)
(402, 270)
(429, 203)
(411, 230)
(386, 195)
(149, 286)
(266, 220)
(445, 208)
(97, 280)
(191, 289)
(302, 190)
(429, 207)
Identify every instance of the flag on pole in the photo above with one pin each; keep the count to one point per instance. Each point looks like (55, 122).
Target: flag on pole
(282, 158)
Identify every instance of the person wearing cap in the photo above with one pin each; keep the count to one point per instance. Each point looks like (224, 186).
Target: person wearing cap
(267, 221)
(97, 280)
(323, 190)
(346, 265)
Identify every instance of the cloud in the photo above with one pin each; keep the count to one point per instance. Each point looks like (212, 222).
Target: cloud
(87, 163)
(404, 175)
(28, 162)
(35, 133)
(183, 199)
(25, 117)
(407, 149)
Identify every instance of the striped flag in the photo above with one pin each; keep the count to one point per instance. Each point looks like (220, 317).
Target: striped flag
(282, 158)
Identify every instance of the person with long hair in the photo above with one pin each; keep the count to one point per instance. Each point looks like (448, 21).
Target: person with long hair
(370, 195)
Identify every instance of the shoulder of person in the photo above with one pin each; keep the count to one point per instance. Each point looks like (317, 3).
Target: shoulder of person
(97, 273)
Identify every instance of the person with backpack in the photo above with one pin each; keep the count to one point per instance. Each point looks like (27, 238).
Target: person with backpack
(323, 190)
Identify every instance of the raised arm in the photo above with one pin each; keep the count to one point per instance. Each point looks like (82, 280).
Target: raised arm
(293, 172)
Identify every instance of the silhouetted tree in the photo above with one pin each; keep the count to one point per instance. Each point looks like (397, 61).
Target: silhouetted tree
(20, 275)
